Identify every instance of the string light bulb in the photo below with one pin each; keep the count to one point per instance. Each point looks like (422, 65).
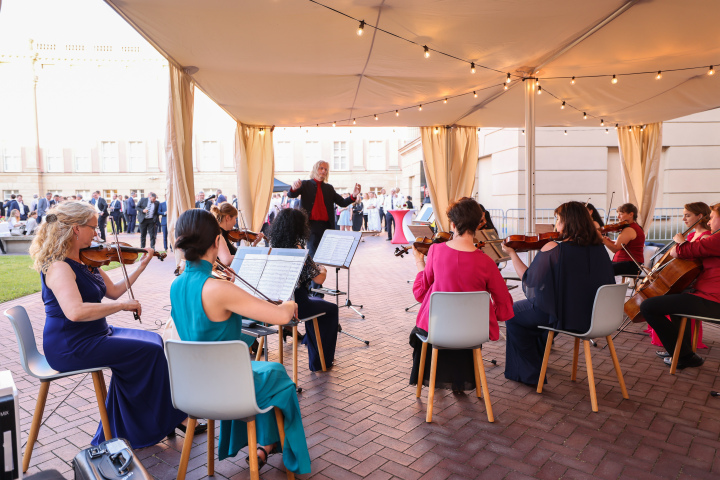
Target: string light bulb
(475, 93)
(565, 132)
(562, 107)
(539, 90)
(436, 130)
(427, 51)
(262, 131)
(508, 80)
(376, 117)
(420, 108)
(472, 67)
(607, 131)
(445, 100)
(506, 86)
(584, 116)
(616, 126)
(572, 81)
(523, 132)
(659, 75)
(397, 113)
(354, 122)
(602, 122)
(360, 28)
(334, 124)
(711, 71)
(642, 128)
(614, 80)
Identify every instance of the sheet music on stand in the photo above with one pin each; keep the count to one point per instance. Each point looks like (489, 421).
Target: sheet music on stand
(274, 272)
(337, 248)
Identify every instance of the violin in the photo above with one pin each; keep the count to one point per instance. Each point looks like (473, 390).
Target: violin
(524, 243)
(422, 244)
(614, 227)
(100, 255)
(236, 235)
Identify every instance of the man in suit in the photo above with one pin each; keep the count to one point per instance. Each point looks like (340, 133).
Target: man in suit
(203, 203)
(220, 197)
(101, 206)
(147, 215)
(131, 213)
(24, 209)
(115, 210)
(44, 205)
(392, 202)
(163, 221)
(318, 199)
(125, 213)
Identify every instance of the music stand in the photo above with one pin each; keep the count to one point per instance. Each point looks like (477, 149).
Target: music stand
(337, 249)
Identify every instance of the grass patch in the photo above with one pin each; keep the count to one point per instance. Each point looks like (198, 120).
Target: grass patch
(19, 279)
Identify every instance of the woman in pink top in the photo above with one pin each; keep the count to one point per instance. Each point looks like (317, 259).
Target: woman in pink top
(698, 214)
(457, 266)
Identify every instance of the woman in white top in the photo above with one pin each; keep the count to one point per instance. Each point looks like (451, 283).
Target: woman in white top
(372, 207)
(31, 224)
(14, 217)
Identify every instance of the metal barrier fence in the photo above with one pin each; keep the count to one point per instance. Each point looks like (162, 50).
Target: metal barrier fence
(666, 221)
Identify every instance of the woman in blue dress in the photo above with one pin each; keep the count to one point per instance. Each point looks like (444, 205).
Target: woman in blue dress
(560, 286)
(77, 336)
(206, 309)
(291, 229)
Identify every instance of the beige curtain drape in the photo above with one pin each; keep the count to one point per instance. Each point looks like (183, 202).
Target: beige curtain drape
(450, 160)
(178, 150)
(640, 156)
(255, 166)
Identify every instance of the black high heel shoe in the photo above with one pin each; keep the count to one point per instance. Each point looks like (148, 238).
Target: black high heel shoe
(200, 427)
(261, 462)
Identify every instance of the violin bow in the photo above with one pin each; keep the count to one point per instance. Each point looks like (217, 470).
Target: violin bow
(128, 287)
(607, 214)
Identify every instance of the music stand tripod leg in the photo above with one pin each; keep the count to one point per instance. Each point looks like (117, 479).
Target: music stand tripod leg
(337, 302)
(348, 303)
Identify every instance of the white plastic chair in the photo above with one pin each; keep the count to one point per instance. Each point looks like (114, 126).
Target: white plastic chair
(607, 315)
(695, 336)
(36, 365)
(457, 320)
(214, 380)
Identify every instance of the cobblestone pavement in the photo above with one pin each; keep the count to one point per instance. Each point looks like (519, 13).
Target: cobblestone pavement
(362, 419)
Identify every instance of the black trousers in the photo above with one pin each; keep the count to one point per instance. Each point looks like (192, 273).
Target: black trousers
(389, 223)
(382, 216)
(625, 268)
(148, 226)
(317, 229)
(165, 235)
(116, 225)
(655, 310)
(102, 225)
(131, 223)
(365, 216)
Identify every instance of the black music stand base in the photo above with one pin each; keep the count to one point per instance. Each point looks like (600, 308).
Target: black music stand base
(340, 330)
(348, 304)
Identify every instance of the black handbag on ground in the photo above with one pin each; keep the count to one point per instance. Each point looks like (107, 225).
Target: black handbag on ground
(111, 460)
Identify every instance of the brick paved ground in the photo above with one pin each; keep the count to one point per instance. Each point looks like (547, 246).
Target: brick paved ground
(362, 419)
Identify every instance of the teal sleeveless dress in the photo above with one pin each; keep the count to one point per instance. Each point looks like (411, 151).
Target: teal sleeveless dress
(273, 386)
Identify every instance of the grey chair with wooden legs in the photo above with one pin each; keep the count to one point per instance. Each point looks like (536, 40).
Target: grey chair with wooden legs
(695, 335)
(214, 380)
(457, 321)
(607, 315)
(36, 365)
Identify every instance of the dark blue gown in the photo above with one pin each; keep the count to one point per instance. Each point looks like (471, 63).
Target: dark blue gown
(327, 324)
(560, 286)
(138, 404)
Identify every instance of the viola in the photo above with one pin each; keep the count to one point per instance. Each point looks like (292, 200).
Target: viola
(524, 243)
(100, 255)
(236, 235)
(614, 227)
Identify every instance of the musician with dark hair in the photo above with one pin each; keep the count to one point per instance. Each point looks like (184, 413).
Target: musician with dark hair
(703, 300)
(206, 309)
(626, 260)
(560, 286)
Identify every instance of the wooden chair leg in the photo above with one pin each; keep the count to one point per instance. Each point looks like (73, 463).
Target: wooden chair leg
(252, 450)
(319, 344)
(576, 353)
(431, 391)
(101, 377)
(36, 421)
(421, 369)
(546, 358)
(295, 349)
(478, 384)
(616, 363)
(280, 345)
(211, 447)
(187, 446)
(696, 334)
(100, 394)
(591, 377)
(678, 345)
(281, 431)
(483, 380)
(261, 345)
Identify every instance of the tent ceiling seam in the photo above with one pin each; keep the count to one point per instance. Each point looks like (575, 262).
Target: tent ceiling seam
(367, 60)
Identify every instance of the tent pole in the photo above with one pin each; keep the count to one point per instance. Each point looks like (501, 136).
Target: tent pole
(530, 160)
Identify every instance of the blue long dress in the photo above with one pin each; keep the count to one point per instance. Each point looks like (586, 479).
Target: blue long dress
(139, 404)
(273, 386)
(560, 286)
(327, 324)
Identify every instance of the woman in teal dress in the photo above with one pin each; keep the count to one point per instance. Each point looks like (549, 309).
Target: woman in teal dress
(206, 309)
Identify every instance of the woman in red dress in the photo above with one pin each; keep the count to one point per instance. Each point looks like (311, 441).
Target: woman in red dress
(457, 266)
(632, 237)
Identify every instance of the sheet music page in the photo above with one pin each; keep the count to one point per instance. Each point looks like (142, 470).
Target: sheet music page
(251, 270)
(280, 275)
(334, 249)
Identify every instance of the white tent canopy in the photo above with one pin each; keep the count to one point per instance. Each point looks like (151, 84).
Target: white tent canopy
(296, 62)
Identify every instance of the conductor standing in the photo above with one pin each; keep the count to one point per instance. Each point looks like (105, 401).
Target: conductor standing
(318, 198)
